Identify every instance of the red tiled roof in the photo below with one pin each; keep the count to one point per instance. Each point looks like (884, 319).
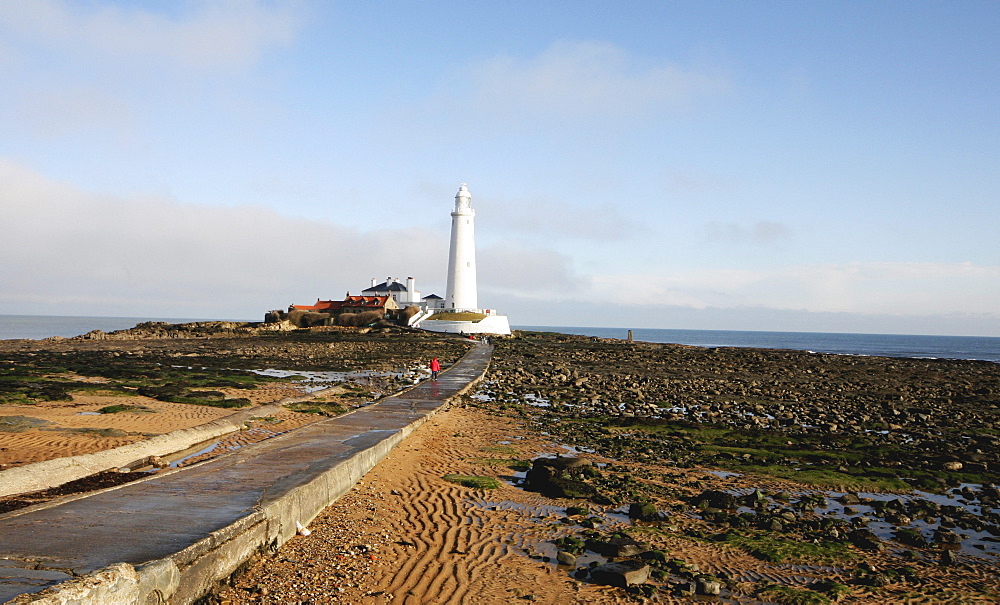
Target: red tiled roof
(351, 302)
(372, 302)
(321, 305)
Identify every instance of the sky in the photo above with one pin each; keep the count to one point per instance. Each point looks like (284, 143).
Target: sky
(788, 166)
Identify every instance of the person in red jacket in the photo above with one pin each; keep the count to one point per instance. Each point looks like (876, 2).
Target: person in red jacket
(435, 368)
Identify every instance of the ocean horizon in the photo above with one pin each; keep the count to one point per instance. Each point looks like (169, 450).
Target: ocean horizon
(38, 327)
(984, 348)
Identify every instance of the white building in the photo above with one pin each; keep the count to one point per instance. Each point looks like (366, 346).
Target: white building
(462, 295)
(461, 291)
(405, 294)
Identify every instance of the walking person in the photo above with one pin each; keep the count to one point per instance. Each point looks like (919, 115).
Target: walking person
(435, 368)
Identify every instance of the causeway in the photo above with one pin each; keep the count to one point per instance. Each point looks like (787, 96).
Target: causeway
(171, 538)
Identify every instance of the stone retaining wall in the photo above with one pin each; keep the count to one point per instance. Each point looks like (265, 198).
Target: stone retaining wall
(53, 473)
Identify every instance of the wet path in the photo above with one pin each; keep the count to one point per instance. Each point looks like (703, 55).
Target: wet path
(159, 517)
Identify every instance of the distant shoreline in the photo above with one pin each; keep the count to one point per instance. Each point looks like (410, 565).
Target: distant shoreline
(980, 348)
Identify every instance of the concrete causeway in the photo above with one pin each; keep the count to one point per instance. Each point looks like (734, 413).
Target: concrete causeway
(172, 537)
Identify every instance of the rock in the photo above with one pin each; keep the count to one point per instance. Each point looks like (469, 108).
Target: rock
(685, 589)
(947, 558)
(849, 499)
(952, 466)
(620, 574)
(566, 558)
(865, 539)
(910, 537)
(644, 511)
(945, 536)
(560, 478)
(754, 498)
(617, 547)
(716, 499)
(656, 556)
(708, 586)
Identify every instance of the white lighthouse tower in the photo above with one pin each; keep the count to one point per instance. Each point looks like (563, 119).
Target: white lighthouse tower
(461, 293)
(461, 313)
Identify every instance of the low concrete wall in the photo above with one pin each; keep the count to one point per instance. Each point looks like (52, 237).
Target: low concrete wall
(53, 473)
(492, 324)
(195, 571)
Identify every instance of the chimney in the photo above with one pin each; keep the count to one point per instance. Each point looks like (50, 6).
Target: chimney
(374, 282)
(411, 284)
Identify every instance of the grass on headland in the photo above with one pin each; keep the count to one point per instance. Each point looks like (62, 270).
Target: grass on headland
(457, 317)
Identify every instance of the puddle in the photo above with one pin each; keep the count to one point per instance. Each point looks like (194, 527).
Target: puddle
(315, 381)
(724, 474)
(535, 400)
(88, 414)
(202, 451)
(977, 524)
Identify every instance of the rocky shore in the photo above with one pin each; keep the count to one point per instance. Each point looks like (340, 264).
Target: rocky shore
(672, 474)
(606, 471)
(809, 449)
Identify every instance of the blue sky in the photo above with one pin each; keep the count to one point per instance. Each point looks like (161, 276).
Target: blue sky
(821, 166)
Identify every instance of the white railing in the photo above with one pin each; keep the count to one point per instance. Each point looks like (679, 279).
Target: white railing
(419, 317)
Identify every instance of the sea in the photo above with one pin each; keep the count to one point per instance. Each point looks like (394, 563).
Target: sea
(37, 327)
(985, 348)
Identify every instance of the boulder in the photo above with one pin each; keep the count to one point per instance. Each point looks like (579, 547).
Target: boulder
(708, 586)
(560, 478)
(621, 574)
(617, 547)
(716, 499)
(865, 539)
(910, 537)
(566, 558)
(644, 511)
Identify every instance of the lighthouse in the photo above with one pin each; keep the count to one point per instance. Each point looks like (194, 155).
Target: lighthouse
(461, 292)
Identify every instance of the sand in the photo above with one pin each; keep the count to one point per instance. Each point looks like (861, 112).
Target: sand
(76, 427)
(404, 535)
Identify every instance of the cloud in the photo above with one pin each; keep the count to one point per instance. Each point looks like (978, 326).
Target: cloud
(760, 233)
(202, 36)
(891, 288)
(587, 79)
(72, 252)
(116, 72)
(562, 220)
(73, 110)
(525, 269)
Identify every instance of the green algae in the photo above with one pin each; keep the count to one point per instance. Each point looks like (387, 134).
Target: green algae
(473, 481)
